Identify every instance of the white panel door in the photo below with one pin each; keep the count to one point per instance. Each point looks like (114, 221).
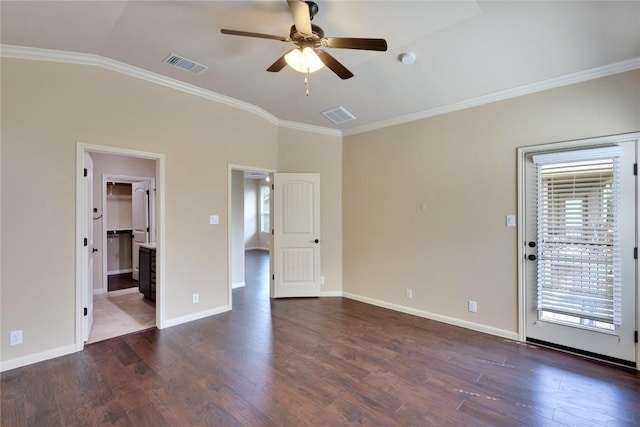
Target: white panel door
(296, 235)
(563, 254)
(87, 228)
(140, 221)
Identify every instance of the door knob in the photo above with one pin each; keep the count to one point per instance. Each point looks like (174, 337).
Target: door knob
(315, 241)
(94, 250)
(532, 257)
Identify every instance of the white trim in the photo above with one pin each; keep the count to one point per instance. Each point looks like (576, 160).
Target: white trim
(37, 357)
(256, 248)
(21, 52)
(556, 82)
(331, 294)
(310, 128)
(432, 316)
(238, 285)
(196, 316)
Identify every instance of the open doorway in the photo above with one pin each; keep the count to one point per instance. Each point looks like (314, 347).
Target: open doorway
(249, 233)
(123, 208)
(126, 223)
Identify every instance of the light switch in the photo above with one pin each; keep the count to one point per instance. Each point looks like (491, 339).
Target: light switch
(213, 220)
(511, 220)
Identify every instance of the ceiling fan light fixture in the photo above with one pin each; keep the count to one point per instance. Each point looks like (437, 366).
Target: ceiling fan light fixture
(304, 60)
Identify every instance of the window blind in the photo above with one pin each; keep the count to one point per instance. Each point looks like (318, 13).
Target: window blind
(578, 244)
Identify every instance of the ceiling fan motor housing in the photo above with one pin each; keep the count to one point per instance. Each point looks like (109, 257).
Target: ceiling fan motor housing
(314, 38)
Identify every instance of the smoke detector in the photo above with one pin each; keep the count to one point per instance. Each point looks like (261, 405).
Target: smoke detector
(408, 58)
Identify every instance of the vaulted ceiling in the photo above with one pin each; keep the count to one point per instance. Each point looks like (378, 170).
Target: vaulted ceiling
(466, 51)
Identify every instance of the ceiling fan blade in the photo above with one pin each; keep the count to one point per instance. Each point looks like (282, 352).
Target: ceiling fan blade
(355, 43)
(278, 65)
(333, 64)
(258, 35)
(300, 12)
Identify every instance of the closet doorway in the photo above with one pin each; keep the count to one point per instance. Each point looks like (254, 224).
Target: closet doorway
(124, 220)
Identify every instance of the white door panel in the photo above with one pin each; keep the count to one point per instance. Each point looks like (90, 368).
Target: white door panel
(140, 221)
(296, 238)
(579, 332)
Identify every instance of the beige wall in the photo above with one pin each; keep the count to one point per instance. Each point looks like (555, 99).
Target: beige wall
(251, 220)
(46, 109)
(304, 152)
(463, 166)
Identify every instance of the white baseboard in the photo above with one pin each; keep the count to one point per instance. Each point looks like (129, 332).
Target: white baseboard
(195, 316)
(331, 293)
(126, 270)
(427, 315)
(238, 285)
(37, 357)
(99, 291)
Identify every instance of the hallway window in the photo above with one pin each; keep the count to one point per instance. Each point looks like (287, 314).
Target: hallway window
(265, 218)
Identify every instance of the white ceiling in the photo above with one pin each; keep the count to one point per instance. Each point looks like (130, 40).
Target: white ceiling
(465, 49)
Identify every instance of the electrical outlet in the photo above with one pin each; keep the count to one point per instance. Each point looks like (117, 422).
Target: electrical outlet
(196, 298)
(15, 337)
(408, 293)
(473, 306)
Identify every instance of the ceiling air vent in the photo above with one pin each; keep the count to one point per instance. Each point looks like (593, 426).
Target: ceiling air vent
(338, 115)
(185, 64)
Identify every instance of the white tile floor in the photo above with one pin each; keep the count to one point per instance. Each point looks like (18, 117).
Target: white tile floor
(121, 312)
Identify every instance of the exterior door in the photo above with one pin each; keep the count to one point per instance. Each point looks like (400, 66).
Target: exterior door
(87, 228)
(140, 221)
(580, 228)
(296, 235)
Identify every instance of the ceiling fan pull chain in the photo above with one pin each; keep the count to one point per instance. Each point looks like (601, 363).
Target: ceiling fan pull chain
(306, 82)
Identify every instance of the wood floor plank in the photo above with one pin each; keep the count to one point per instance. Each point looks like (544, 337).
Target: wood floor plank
(316, 361)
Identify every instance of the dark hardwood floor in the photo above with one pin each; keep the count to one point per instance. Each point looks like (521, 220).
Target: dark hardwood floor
(116, 282)
(323, 361)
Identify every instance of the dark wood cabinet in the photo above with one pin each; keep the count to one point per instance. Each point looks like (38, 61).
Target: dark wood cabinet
(147, 278)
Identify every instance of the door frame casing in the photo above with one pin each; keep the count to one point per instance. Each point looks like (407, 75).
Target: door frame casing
(81, 148)
(565, 145)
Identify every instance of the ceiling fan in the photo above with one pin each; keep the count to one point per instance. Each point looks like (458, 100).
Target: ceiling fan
(309, 55)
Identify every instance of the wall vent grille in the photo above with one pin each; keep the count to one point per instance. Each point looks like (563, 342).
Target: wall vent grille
(185, 64)
(338, 115)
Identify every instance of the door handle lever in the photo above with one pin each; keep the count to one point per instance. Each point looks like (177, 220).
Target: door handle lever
(94, 250)
(315, 241)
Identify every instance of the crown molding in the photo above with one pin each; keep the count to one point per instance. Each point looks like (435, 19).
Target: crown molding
(37, 54)
(20, 52)
(310, 128)
(556, 82)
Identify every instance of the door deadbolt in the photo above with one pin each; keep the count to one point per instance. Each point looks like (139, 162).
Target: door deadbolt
(532, 257)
